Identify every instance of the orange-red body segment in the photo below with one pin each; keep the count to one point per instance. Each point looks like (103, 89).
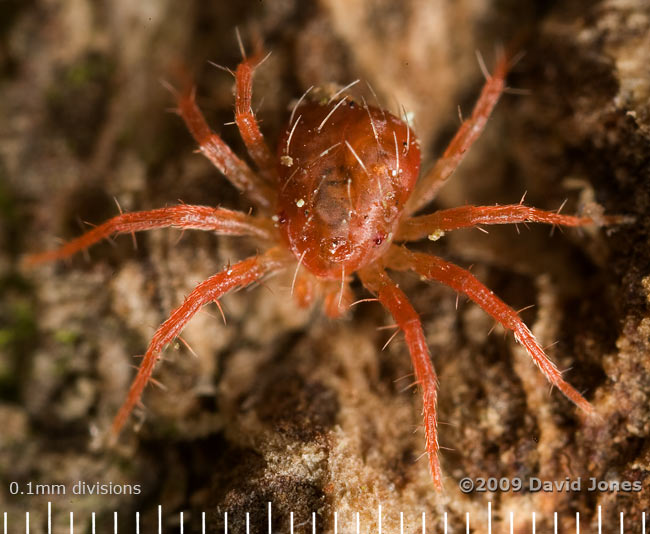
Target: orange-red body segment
(345, 173)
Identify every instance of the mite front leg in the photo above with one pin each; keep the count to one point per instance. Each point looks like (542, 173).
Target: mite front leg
(377, 281)
(469, 131)
(414, 228)
(464, 282)
(222, 221)
(218, 152)
(241, 274)
(247, 123)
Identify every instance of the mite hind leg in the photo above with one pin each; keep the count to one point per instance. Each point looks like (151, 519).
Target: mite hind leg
(462, 281)
(396, 302)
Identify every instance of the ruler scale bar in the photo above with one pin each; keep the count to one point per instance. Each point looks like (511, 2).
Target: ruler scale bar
(534, 525)
(622, 528)
(489, 517)
(600, 520)
(402, 521)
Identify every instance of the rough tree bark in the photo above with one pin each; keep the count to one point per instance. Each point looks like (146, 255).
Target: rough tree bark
(282, 404)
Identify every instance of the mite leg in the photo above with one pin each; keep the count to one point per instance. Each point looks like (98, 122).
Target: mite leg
(414, 228)
(247, 123)
(469, 131)
(218, 152)
(377, 281)
(337, 299)
(239, 275)
(184, 216)
(463, 281)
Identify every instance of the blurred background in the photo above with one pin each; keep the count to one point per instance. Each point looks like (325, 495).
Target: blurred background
(283, 404)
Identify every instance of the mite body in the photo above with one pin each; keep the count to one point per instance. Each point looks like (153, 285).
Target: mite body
(340, 201)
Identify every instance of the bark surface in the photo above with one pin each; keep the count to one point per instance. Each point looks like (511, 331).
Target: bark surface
(282, 404)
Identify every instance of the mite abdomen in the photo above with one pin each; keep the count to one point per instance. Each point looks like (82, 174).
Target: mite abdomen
(346, 172)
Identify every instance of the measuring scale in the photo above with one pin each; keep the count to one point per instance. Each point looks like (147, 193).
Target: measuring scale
(430, 523)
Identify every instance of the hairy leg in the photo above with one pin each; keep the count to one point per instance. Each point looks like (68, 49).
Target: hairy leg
(184, 216)
(377, 281)
(414, 228)
(463, 281)
(218, 152)
(239, 275)
(469, 131)
(247, 123)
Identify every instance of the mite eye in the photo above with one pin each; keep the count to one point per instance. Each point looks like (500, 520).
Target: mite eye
(379, 239)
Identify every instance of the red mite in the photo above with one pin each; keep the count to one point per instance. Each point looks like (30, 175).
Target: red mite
(335, 200)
